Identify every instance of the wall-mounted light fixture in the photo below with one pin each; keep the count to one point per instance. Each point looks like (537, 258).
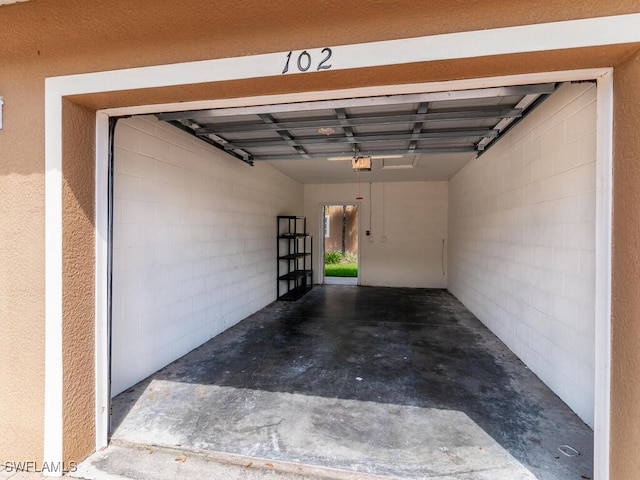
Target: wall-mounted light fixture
(1, 103)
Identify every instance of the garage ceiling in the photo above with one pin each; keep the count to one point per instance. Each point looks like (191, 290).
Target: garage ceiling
(427, 136)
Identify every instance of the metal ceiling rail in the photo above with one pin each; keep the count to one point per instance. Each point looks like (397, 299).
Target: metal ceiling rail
(413, 124)
(284, 134)
(506, 123)
(418, 125)
(383, 137)
(346, 128)
(368, 152)
(239, 154)
(516, 90)
(357, 121)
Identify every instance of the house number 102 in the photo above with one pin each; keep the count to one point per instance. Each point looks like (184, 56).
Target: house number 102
(304, 61)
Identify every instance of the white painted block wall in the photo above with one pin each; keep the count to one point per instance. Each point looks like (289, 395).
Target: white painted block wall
(194, 244)
(411, 215)
(522, 242)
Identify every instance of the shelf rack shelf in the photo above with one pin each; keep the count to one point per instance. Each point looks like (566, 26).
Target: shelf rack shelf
(295, 257)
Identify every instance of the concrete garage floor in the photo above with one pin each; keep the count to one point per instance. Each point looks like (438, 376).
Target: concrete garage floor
(388, 381)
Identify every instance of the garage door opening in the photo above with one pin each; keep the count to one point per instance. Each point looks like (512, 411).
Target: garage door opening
(340, 230)
(193, 233)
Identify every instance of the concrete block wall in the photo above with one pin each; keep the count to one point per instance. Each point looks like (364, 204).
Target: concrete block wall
(411, 215)
(522, 242)
(194, 243)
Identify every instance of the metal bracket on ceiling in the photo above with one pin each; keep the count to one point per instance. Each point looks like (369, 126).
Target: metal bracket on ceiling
(190, 128)
(405, 124)
(525, 105)
(362, 102)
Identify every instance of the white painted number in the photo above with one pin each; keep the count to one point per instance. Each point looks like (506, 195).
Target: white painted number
(305, 61)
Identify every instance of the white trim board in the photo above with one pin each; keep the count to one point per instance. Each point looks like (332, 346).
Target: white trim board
(102, 401)
(550, 36)
(604, 229)
(53, 377)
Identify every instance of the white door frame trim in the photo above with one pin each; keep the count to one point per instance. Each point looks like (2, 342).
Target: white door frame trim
(619, 29)
(603, 255)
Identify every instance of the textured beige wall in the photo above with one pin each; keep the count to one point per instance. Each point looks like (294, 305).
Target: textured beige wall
(21, 267)
(129, 32)
(78, 160)
(48, 38)
(625, 390)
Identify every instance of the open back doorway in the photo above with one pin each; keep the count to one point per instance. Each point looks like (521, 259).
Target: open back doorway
(340, 244)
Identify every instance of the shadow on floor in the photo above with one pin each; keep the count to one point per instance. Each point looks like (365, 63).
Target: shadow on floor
(394, 346)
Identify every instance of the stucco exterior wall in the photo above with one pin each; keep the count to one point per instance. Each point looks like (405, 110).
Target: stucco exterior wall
(625, 390)
(48, 38)
(79, 280)
(21, 268)
(125, 29)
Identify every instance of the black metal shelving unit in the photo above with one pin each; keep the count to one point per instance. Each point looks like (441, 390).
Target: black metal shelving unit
(295, 257)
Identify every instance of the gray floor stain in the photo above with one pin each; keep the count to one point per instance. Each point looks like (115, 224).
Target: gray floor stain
(391, 381)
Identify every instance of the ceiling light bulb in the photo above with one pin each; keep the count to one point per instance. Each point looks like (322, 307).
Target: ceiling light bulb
(326, 130)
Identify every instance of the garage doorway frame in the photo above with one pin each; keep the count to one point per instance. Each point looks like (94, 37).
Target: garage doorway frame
(550, 36)
(604, 162)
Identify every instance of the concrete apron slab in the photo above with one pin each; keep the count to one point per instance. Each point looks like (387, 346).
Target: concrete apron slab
(120, 461)
(353, 435)
(398, 383)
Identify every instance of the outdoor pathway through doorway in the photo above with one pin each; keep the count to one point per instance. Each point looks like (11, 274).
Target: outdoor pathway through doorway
(340, 246)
